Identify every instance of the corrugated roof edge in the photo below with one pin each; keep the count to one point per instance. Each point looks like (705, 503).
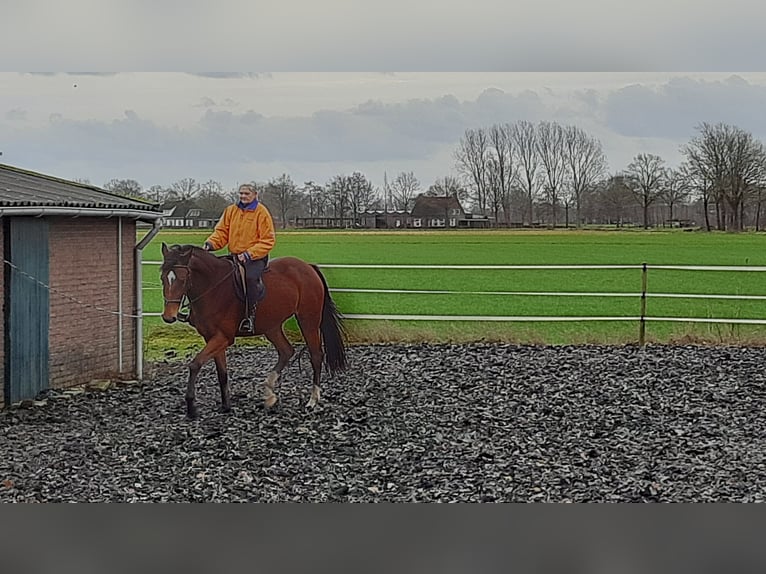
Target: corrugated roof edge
(77, 184)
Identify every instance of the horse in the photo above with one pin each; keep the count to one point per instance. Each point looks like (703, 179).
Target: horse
(208, 284)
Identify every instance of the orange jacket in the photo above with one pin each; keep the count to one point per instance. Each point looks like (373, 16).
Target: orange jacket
(245, 230)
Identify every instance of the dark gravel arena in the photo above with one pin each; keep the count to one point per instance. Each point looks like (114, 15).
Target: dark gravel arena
(411, 423)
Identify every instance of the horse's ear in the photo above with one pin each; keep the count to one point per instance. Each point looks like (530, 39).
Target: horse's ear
(164, 249)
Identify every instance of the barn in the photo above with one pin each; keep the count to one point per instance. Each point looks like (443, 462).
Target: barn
(71, 298)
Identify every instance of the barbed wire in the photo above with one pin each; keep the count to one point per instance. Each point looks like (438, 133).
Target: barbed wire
(66, 295)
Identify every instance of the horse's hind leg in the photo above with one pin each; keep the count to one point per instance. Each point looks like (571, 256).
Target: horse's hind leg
(285, 351)
(223, 380)
(313, 338)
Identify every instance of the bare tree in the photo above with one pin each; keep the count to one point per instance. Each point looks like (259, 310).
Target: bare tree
(315, 196)
(128, 187)
(645, 176)
(706, 158)
(211, 197)
(283, 194)
(759, 195)
(614, 196)
(448, 186)
(700, 185)
(501, 171)
(157, 193)
(404, 189)
(361, 194)
(339, 191)
(550, 149)
(524, 137)
(184, 189)
(470, 161)
(733, 161)
(586, 163)
(677, 189)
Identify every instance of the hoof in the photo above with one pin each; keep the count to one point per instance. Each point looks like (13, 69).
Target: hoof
(314, 400)
(270, 401)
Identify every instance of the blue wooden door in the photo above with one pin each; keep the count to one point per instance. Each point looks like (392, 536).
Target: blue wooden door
(28, 309)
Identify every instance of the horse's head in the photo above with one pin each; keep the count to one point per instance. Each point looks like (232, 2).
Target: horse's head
(175, 275)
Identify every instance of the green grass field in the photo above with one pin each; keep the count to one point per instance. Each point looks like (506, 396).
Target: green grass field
(519, 247)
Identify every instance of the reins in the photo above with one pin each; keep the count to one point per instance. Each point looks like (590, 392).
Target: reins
(183, 316)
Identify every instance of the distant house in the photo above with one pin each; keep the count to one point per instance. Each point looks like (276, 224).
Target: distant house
(70, 288)
(429, 212)
(435, 212)
(317, 222)
(188, 215)
(380, 219)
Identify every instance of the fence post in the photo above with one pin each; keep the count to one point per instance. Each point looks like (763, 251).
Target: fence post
(642, 321)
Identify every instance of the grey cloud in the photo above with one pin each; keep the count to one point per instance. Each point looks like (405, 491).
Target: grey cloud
(370, 133)
(338, 35)
(106, 74)
(225, 140)
(206, 102)
(231, 75)
(674, 109)
(16, 114)
(72, 73)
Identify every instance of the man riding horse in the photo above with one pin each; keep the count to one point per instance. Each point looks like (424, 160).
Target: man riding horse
(248, 229)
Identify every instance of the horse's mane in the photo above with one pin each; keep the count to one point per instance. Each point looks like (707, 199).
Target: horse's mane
(180, 255)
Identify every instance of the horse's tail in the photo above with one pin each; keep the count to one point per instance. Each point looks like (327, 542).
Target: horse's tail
(333, 333)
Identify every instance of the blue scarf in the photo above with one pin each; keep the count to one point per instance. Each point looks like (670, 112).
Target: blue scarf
(249, 207)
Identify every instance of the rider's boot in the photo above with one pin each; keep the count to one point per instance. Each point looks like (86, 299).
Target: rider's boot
(248, 323)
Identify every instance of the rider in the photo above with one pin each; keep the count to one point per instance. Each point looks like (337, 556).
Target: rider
(248, 229)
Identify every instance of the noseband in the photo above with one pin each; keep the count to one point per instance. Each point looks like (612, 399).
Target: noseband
(186, 286)
(185, 300)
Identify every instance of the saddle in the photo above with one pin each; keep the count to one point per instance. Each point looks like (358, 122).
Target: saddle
(239, 278)
(247, 326)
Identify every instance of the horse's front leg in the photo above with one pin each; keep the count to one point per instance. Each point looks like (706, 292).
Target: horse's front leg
(223, 380)
(191, 393)
(214, 345)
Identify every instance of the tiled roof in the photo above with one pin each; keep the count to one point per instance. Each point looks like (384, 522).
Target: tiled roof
(427, 205)
(22, 188)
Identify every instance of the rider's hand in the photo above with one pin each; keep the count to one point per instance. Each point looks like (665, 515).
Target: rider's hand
(207, 246)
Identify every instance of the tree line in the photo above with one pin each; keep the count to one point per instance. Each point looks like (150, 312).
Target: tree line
(531, 174)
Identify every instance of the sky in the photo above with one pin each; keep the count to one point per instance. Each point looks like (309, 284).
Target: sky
(336, 106)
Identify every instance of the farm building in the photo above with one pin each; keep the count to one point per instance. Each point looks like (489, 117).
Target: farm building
(443, 211)
(381, 219)
(428, 212)
(71, 304)
(189, 215)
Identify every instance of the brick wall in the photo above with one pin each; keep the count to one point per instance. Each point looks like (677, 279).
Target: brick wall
(2, 313)
(84, 265)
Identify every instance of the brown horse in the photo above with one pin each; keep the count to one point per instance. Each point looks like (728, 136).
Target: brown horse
(293, 288)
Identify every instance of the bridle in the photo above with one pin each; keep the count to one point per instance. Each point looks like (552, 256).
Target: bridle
(184, 302)
(185, 282)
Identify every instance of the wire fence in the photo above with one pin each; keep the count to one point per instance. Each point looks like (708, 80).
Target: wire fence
(642, 317)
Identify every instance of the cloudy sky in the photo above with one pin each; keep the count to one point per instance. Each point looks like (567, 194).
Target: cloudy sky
(322, 116)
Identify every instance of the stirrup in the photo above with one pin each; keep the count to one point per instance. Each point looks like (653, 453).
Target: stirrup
(247, 325)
